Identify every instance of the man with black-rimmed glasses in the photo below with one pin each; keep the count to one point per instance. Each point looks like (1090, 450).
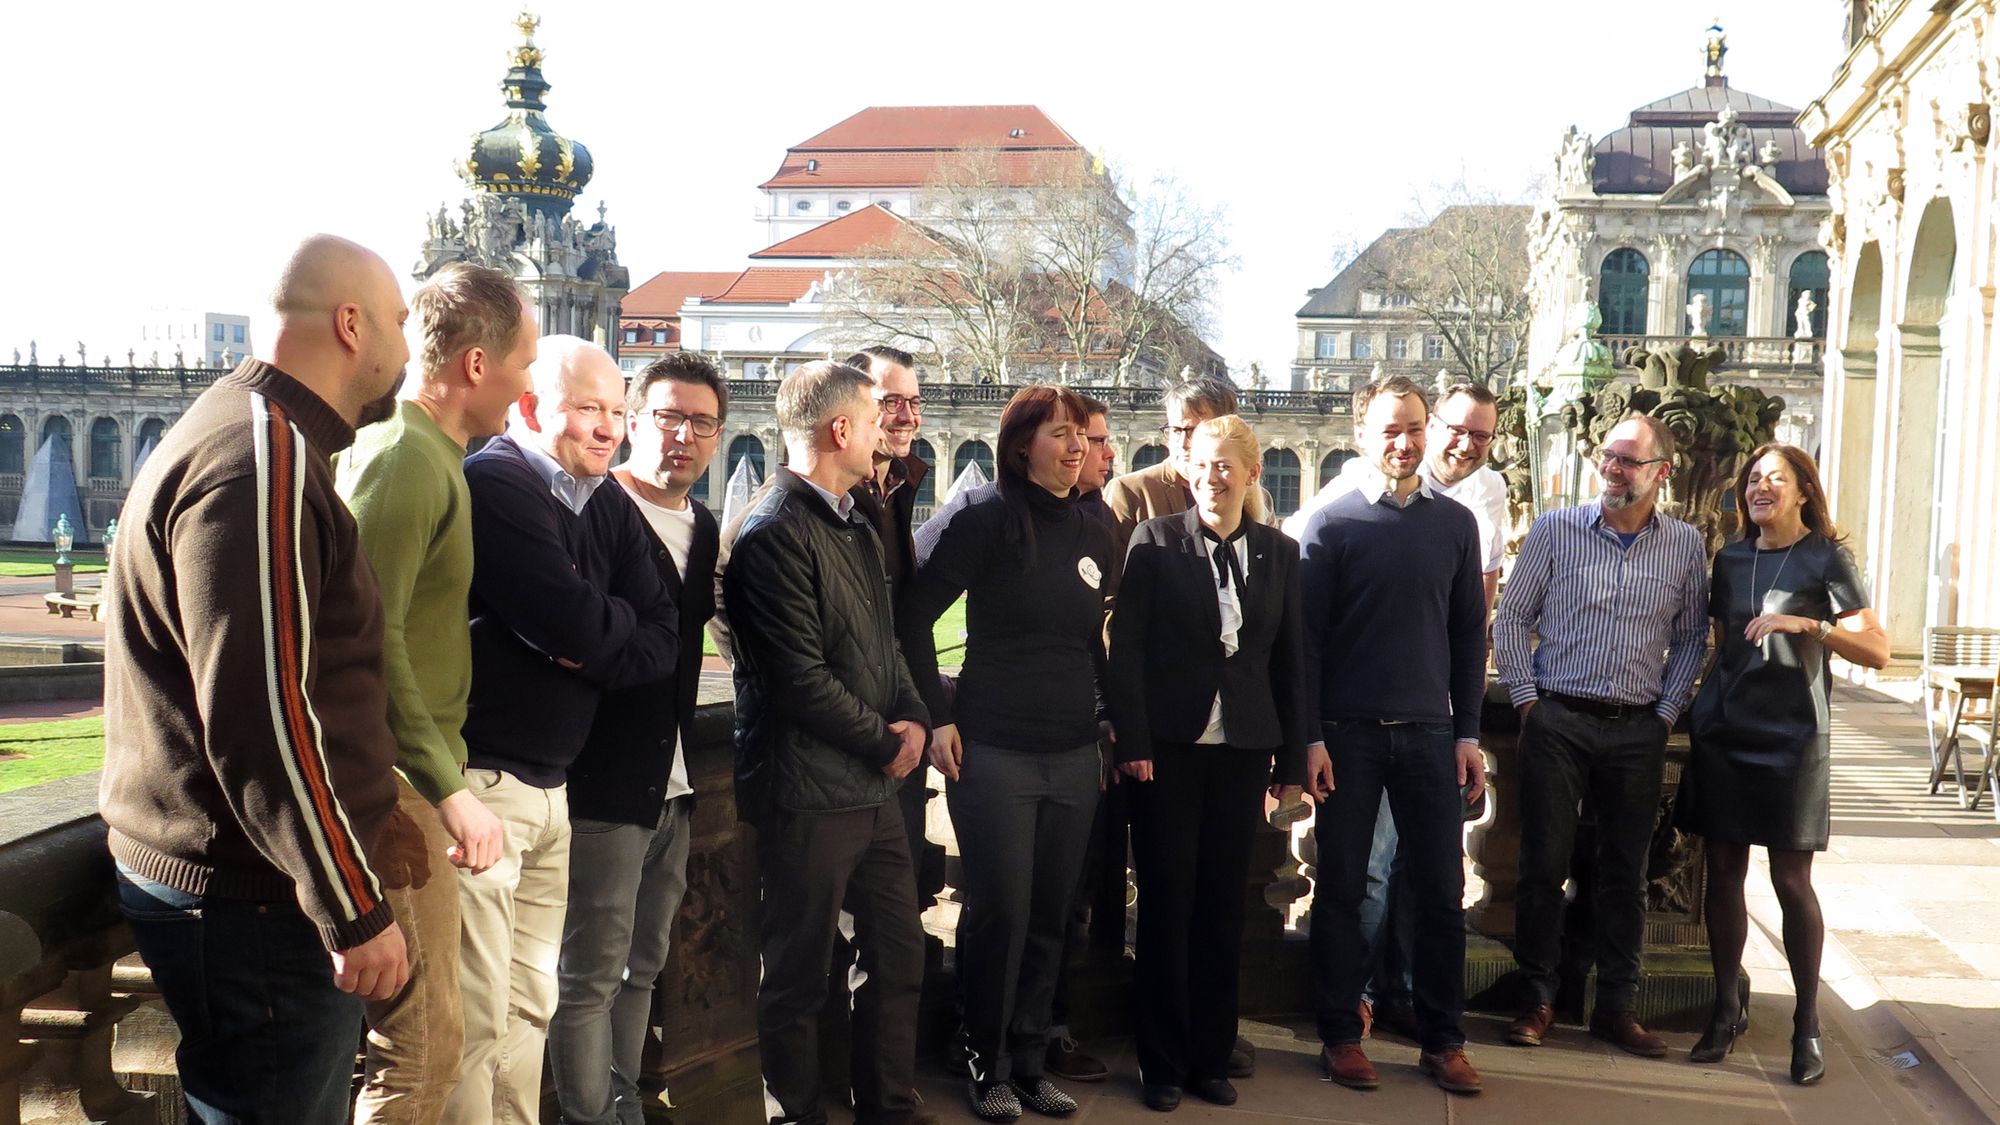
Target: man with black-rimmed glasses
(1616, 594)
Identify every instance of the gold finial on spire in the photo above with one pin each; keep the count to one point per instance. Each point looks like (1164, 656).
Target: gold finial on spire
(527, 54)
(1718, 46)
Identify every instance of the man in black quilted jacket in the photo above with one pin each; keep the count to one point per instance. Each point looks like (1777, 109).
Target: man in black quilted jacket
(827, 726)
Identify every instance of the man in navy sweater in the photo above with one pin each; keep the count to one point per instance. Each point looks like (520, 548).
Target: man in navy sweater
(566, 603)
(1395, 614)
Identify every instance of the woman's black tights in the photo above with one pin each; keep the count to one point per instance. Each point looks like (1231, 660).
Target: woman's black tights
(1729, 926)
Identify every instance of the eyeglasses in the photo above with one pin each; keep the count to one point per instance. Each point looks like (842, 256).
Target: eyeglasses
(896, 404)
(1479, 437)
(1181, 432)
(701, 425)
(1628, 464)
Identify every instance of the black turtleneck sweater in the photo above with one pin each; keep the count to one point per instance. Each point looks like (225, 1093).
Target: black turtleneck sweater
(1034, 624)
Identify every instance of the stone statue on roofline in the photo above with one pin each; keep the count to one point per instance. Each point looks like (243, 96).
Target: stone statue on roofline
(1697, 310)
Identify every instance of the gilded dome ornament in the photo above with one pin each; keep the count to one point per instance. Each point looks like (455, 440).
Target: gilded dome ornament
(523, 156)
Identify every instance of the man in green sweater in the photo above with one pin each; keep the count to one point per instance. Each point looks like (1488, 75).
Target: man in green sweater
(404, 481)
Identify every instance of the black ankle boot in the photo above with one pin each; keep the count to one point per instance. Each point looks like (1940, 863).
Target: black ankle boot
(1808, 1064)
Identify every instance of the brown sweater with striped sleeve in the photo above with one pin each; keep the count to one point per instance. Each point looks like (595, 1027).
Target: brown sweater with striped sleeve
(247, 746)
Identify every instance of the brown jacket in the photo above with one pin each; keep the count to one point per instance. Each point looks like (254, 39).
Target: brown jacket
(247, 745)
(1149, 493)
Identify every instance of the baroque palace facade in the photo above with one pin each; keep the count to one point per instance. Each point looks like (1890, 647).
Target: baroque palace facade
(1912, 455)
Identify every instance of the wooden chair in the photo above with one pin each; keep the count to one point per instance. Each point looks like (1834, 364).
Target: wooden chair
(1960, 663)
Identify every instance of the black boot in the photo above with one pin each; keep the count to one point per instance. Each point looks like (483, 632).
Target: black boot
(1808, 1064)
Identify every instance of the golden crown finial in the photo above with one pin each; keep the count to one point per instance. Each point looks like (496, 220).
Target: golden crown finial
(527, 54)
(527, 22)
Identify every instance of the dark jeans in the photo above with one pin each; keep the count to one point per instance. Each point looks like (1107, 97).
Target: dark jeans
(1023, 820)
(1414, 764)
(1192, 827)
(1569, 758)
(265, 1035)
(1387, 915)
(811, 863)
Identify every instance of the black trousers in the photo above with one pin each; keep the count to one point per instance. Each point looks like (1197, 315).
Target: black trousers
(1192, 827)
(1568, 758)
(810, 864)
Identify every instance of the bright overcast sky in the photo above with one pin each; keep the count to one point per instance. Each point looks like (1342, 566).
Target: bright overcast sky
(173, 149)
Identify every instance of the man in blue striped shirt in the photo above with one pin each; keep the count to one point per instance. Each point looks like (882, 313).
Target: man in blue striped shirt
(1617, 594)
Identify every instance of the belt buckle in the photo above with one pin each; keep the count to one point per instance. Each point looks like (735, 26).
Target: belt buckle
(1392, 722)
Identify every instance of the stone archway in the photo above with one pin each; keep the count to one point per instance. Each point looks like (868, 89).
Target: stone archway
(1911, 544)
(1851, 408)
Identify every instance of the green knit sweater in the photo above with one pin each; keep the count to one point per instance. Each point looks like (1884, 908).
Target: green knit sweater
(403, 478)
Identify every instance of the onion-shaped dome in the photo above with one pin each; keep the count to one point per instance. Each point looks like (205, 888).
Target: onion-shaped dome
(522, 155)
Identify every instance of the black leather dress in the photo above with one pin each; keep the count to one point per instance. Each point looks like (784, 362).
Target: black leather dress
(1758, 771)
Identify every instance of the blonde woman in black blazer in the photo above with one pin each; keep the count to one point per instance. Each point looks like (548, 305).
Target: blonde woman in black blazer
(1207, 688)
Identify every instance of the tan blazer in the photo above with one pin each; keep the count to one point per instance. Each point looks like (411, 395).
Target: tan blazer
(1156, 491)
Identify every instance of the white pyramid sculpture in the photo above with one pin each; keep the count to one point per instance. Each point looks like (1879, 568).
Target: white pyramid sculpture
(972, 476)
(743, 480)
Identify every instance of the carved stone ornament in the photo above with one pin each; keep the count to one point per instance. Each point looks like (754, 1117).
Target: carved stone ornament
(1978, 123)
(1893, 183)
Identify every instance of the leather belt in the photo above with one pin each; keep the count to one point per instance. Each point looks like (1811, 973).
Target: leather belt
(1603, 709)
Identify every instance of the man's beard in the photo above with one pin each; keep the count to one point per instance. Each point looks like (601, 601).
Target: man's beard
(383, 408)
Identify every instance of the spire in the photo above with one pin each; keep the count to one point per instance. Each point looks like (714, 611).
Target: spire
(1718, 46)
(524, 85)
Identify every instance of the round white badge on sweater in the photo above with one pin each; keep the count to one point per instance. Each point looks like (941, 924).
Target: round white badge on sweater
(1087, 567)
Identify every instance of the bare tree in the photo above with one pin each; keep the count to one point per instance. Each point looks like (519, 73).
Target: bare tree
(1461, 270)
(1053, 264)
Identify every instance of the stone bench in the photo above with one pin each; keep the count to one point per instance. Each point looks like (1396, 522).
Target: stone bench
(69, 605)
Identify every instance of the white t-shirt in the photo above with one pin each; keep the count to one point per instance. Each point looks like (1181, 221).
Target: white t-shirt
(676, 530)
(1484, 493)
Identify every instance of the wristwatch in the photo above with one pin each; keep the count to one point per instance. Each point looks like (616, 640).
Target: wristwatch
(1825, 628)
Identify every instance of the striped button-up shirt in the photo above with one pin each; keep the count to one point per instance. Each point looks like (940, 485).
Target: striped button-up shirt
(1616, 623)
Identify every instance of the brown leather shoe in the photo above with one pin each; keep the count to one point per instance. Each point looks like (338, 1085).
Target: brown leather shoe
(1622, 1030)
(1529, 1027)
(1450, 1070)
(1344, 1063)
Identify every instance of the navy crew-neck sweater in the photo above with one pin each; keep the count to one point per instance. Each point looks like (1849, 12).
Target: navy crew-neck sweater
(564, 606)
(1395, 612)
(1034, 626)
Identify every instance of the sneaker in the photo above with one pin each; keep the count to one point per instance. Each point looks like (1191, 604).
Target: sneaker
(993, 1101)
(1450, 1070)
(1067, 1061)
(1346, 1064)
(1041, 1095)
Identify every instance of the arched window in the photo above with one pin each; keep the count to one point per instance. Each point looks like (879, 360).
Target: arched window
(58, 427)
(747, 448)
(1621, 293)
(1809, 275)
(1725, 277)
(972, 453)
(1148, 456)
(150, 432)
(926, 488)
(13, 445)
(1281, 476)
(1329, 465)
(104, 450)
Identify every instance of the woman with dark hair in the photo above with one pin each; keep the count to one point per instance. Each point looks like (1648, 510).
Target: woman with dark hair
(1017, 742)
(1784, 597)
(1208, 684)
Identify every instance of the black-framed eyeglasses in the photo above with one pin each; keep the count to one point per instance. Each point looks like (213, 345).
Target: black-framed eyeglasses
(1628, 464)
(896, 404)
(701, 425)
(1479, 437)
(1181, 432)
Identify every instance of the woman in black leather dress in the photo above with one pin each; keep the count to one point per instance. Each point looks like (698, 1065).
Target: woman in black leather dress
(1783, 597)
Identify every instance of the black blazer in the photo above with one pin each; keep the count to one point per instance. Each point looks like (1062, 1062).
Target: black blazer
(621, 776)
(1166, 646)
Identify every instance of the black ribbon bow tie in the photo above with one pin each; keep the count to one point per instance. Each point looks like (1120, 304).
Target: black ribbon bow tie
(1228, 569)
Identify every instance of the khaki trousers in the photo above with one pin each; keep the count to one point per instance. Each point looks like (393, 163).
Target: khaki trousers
(416, 1036)
(510, 933)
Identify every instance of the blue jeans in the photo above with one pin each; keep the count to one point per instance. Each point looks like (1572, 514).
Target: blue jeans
(265, 1035)
(1414, 764)
(1387, 915)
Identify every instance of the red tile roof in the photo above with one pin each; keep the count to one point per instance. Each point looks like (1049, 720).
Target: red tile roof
(664, 295)
(768, 285)
(943, 127)
(900, 146)
(870, 228)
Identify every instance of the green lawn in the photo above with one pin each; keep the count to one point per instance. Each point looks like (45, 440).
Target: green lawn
(29, 563)
(55, 750)
(948, 633)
